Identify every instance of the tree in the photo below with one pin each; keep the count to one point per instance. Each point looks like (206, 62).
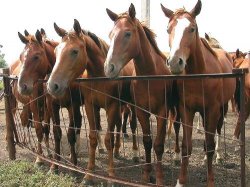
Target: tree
(3, 63)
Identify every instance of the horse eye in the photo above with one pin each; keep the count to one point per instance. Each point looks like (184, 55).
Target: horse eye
(74, 52)
(127, 34)
(192, 29)
(35, 58)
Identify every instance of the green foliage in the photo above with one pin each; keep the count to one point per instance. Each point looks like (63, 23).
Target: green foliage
(23, 173)
(3, 63)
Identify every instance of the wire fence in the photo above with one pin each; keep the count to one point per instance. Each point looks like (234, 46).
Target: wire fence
(229, 172)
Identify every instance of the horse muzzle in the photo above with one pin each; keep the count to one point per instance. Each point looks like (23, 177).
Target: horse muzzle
(176, 65)
(55, 89)
(110, 70)
(25, 89)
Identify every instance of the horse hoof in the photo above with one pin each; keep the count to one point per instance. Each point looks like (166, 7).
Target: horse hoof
(126, 136)
(53, 171)
(152, 180)
(39, 164)
(88, 182)
(101, 151)
(49, 155)
(136, 159)
(177, 162)
(219, 161)
(117, 155)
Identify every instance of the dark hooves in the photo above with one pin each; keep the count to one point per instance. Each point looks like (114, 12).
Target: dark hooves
(152, 179)
(53, 171)
(88, 182)
(126, 136)
(101, 151)
(136, 159)
(177, 162)
(117, 155)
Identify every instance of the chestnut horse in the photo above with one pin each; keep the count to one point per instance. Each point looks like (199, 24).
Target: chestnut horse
(82, 51)
(132, 40)
(38, 59)
(190, 54)
(240, 61)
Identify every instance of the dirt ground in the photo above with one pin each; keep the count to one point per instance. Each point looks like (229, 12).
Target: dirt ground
(227, 174)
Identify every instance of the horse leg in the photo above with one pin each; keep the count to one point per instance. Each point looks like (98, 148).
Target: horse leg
(25, 121)
(213, 116)
(236, 135)
(39, 131)
(177, 124)
(187, 117)
(57, 131)
(47, 130)
(218, 135)
(159, 145)
(133, 126)
(113, 119)
(125, 116)
(143, 118)
(75, 121)
(92, 113)
(101, 146)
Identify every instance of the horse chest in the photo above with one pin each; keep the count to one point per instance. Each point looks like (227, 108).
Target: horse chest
(199, 93)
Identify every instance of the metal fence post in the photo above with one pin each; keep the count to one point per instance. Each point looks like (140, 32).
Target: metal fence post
(242, 128)
(8, 116)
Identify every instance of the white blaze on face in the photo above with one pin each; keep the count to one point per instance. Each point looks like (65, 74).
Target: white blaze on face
(110, 51)
(178, 35)
(59, 49)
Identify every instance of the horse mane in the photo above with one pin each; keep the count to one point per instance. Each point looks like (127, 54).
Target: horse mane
(151, 37)
(98, 41)
(204, 41)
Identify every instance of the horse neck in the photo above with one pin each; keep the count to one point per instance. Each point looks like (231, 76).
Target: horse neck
(196, 62)
(96, 58)
(49, 49)
(144, 61)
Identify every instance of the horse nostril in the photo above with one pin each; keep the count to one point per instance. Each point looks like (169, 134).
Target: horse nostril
(56, 87)
(180, 61)
(112, 67)
(25, 87)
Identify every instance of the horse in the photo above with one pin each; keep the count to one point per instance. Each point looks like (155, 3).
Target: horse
(38, 59)
(190, 54)
(82, 53)
(130, 40)
(240, 61)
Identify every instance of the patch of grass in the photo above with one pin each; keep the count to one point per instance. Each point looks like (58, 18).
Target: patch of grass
(1, 84)
(23, 173)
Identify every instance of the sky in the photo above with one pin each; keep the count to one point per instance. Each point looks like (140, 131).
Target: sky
(226, 20)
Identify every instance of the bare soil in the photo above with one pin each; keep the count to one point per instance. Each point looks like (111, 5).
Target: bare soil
(227, 174)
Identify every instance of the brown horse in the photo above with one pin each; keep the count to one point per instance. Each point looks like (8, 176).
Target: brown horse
(132, 40)
(81, 51)
(190, 54)
(240, 61)
(38, 59)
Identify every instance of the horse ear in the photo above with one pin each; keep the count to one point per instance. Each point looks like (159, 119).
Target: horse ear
(207, 36)
(43, 33)
(61, 32)
(77, 27)
(244, 55)
(113, 16)
(131, 11)
(237, 53)
(23, 38)
(168, 13)
(39, 36)
(197, 9)
(26, 33)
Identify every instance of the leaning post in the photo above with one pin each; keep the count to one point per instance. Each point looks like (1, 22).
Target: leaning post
(8, 116)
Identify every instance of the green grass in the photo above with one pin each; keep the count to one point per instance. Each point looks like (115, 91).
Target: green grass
(24, 174)
(1, 85)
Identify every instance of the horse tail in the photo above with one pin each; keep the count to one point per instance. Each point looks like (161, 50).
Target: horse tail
(237, 95)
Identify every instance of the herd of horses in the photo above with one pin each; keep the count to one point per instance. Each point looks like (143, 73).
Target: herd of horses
(133, 51)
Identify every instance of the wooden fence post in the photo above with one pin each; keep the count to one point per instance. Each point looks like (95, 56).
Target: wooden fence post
(10, 124)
